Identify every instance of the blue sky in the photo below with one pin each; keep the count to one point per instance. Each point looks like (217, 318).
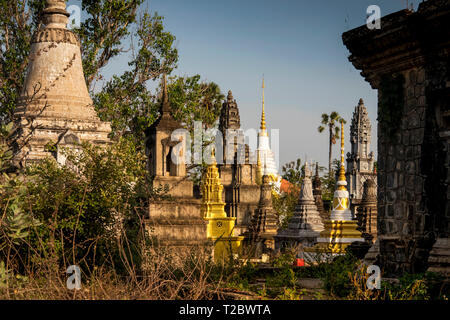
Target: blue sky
(296, 44)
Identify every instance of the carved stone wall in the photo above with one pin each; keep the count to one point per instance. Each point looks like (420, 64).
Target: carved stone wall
(407, 60)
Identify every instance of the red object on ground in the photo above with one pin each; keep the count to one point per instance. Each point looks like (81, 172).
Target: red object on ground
(299, 262)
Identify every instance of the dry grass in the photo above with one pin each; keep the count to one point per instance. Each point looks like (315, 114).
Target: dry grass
(160, 279)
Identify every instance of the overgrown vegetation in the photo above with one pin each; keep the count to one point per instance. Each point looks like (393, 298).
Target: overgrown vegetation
(90, 211)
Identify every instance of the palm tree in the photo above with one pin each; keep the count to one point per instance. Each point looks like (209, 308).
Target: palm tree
(331, 121)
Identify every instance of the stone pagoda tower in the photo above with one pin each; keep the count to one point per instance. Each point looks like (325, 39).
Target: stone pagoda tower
(177, 220)
(306, 223)
(220, 227)
(55, 109)
(237, 174)
(341, 230)
(367, 211)
(264, 224)
(265, 156)
(317, 192)
(360, 161)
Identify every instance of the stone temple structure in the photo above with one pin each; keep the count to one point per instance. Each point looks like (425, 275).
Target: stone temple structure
(55, 109)
(306, 224)
(317, 192)
(408, 62)
(220, 227)
(367, 211)
(341, 230)
(360, 161)
(264, 223)
(265, 156)
(175, 221)
(238, 173)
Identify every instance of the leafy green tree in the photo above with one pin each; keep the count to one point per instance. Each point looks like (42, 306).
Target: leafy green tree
(125, 100)
(284, 203)
(195, 100)
(18, 20)
(293, 172)
(329, 181)
(332, 122)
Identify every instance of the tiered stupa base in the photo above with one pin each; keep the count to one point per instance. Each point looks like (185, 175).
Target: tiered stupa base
(220, 231)
(337, 236)
(439, 260)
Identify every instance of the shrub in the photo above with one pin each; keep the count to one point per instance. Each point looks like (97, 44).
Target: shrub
(84, 208)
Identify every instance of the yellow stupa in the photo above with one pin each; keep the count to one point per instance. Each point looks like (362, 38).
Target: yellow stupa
(341, 230)
(220, 227)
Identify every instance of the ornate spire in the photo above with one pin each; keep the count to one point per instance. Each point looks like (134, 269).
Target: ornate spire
(55, 14)
(230, 96)
(316, 182)
(360, 132)
(342, 168)
(229, 115)
(341, 230)
(165, 106)
(220, 227)
(317, 192)
(165, 120)
(306, 192)
(54, 103)
(340, 200)
(307, 170)
(263, 115)
(266, 156)
(306, 224)
(213, 205)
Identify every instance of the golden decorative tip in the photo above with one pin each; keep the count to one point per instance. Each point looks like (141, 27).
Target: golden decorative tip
(263, 115)
(342, 168)
(213, 156)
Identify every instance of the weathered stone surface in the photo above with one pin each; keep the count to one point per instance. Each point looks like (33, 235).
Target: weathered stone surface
(413, 202)
(367, 211)
(239, 178)
(176, 222)
(360, 161)
(306, 224)
(264, 224)
(55, 107)
(439, 260)
(317, 192)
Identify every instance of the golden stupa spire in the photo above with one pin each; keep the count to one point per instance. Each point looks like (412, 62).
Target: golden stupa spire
(220, 227)
(340, 230)
(263, 115)
(342, 168)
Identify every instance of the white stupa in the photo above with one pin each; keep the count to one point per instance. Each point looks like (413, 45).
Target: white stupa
(265, 156)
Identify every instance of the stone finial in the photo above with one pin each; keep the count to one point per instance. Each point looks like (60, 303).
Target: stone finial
(165, 95)
(230, 96)
(307, 170)
(55, 14)
(306, 192)
(229, 115)
(317, 184)
(361, 102)
(266, 191)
